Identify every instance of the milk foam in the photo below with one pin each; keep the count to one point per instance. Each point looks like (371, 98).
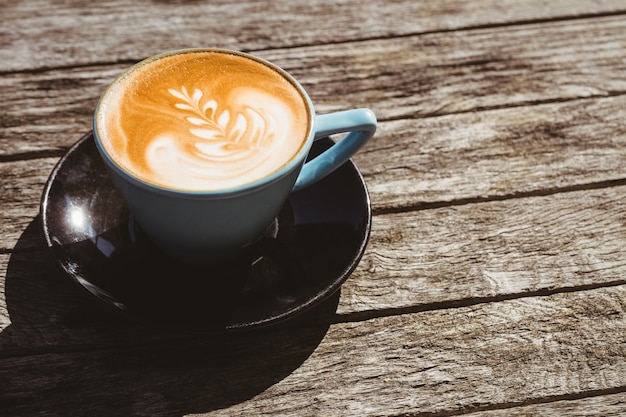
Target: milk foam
(203, 121)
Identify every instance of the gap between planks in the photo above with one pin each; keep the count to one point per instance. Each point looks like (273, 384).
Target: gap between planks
(365, 315)
(520, 405)
(504, 197)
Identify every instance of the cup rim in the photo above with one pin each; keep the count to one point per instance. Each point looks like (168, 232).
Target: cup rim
(296, 161)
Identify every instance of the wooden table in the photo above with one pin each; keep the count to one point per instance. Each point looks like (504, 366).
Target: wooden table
(494, 282)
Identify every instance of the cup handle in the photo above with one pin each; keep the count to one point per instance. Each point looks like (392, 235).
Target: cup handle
(361, 125)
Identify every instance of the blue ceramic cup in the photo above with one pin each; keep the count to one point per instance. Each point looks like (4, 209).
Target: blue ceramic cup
(212, 226)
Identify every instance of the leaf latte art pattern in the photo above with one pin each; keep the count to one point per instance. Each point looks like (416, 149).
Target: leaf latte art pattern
(222, 143)
(250, 129)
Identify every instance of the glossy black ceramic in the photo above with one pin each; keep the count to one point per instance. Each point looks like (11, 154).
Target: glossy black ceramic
(304, 257)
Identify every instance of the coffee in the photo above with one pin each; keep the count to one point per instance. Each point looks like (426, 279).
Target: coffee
(203, 120)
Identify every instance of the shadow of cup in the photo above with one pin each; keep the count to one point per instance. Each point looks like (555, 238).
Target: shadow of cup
(62, 355)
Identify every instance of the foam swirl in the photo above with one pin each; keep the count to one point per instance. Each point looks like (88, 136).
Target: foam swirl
(222, 144)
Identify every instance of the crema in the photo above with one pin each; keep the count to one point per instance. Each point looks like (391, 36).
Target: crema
(202, 121)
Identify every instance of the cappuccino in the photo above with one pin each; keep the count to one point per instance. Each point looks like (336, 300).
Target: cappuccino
(203, 120)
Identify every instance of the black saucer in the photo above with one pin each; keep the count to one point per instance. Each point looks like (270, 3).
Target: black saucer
(313, 246)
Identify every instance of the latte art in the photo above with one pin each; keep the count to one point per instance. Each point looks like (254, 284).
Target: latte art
(205, 121)
(225, 145)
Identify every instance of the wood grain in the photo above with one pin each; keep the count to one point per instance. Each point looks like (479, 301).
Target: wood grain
(466, 70)
(495, 154)
(44, 35)
(489, 251)
(20, 197)
(443, 355)
(450, 361)
(432, 74)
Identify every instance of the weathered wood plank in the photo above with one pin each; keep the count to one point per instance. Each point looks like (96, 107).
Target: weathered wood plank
(420, 260)
(20, 196)
(44, 113)
(438, 73)
(461, 358)
(494, 154)
(126, 30)
(466, 70)
(445, 361)
(491, 250)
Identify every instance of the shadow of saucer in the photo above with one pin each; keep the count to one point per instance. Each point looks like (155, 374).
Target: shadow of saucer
(62, 355)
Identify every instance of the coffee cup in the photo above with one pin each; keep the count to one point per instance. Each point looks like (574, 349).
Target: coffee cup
(206, 145)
